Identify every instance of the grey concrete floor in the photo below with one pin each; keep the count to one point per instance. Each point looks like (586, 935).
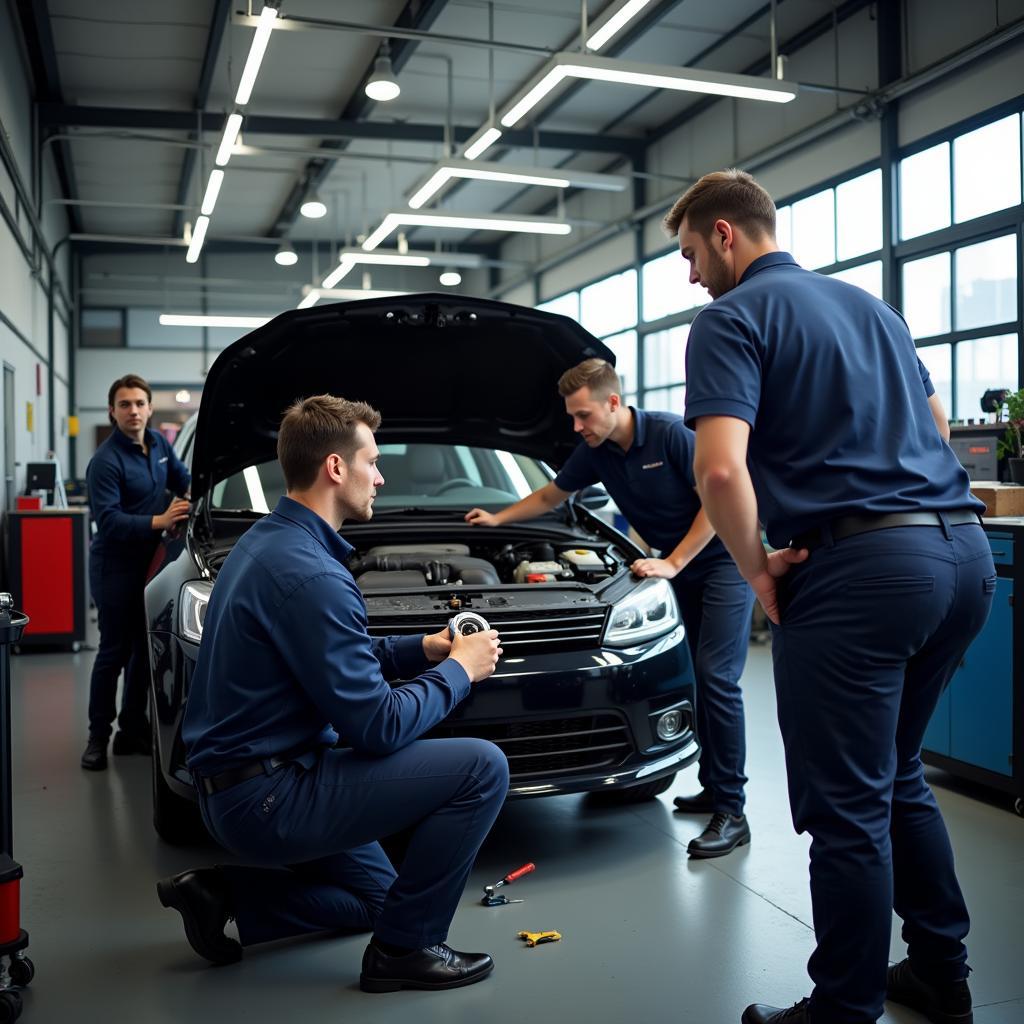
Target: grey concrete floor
(650, 937)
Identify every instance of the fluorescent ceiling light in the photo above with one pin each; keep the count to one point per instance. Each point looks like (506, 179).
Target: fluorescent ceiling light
(253, 484)
(286, 256)
(313, 207)
(477, 146)
(311, 298)
(212, 191)
(450, 278)
(256, 51)
(612, 20)
(653, 76)
(474, 222)
(196, 320)
(183, 397)
(562, 178)
(198, 237)
(231, 128)
(349, 258)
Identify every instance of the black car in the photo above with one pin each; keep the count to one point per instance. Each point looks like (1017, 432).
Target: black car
(595, 690)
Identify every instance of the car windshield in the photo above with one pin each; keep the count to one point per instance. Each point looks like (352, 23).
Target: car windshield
(419, 475)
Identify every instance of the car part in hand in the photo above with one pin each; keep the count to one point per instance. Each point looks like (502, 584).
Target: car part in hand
(467, 623)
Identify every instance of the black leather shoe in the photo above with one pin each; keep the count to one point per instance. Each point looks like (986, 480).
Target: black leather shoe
(758, 1013)
(700, 803)
(95, 757)
(941, 1004)
(201, 897)
(722, 835)
(130, 743)
(435, 967)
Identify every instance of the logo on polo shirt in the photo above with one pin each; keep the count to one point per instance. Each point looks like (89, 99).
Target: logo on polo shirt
(653, 465)
(164, 459)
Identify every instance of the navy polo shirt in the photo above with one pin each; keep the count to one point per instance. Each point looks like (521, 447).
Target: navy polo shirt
(828, 379)
(286, 662)
(127, 487)
(652, 483)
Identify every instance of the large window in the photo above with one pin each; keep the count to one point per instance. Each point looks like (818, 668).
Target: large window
(609, 305)
(667, 287)
(665, 369)
(986, 169)
(564, 305)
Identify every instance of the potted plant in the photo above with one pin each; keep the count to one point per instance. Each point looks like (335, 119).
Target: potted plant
(1012, 444)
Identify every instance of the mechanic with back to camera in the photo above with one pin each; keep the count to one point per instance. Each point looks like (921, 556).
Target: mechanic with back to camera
(813, 412)
(645, 460)
(128, 479)
(302, 754)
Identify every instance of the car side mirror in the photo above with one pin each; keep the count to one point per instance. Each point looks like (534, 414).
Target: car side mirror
(593, 497)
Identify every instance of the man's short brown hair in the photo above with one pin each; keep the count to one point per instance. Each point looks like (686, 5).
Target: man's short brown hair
(315, 427)
(596, 374)
(730, 195)
(129, 380)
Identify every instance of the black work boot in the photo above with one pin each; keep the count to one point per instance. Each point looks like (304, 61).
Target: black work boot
(201, 897)
(759, 1013)
(436, 967)
(95, 757)
(941, 1004)
(723, 834)
(699, 803)
(132, 743)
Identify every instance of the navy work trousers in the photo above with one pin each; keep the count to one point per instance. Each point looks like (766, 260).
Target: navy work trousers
(873, 627)
(715, 603)
(117, 592)
(312, 833)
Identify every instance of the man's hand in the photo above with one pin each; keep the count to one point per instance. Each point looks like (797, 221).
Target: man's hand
(477, 653)
(478, 517)
(763, 584)
(174, 513)
(437, 646)
(660, 567)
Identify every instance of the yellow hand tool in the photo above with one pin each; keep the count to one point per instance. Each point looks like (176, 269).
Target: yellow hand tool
(535, 938)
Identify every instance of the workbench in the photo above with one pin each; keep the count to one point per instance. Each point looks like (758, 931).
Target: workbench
(977, 731)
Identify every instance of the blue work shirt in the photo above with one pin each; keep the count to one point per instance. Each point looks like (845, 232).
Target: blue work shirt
(127, 487)
(829, 380)
(652, 483)
(286, 662)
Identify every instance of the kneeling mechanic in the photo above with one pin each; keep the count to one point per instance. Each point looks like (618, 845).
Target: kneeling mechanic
(304, 756)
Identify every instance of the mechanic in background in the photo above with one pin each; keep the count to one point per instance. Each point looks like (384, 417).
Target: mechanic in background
(302, 754)
(128, 479)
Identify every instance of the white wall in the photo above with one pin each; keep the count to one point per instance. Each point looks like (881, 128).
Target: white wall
(23, 299)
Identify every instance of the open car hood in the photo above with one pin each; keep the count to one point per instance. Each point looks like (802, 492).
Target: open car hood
(440, 368)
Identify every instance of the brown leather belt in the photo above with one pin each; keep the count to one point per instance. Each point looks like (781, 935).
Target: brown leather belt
(850, 526)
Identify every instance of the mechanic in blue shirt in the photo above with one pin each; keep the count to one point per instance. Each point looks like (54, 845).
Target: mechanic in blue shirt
(813, 412)
(128, 479)
(645, 460)
(302, 754)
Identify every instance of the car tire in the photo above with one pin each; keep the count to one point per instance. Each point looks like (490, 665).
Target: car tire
(633, 794)
(177, 820)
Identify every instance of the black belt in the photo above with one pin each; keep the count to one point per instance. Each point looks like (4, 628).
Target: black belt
(850, 526)
(236, 776)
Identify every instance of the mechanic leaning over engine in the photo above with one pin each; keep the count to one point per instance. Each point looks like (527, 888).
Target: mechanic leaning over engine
(303, 755)
(645, 460)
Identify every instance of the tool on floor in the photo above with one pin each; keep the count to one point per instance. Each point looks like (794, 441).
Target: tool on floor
(498, 901)
(510, 878)
(13, 939)
(536, 938)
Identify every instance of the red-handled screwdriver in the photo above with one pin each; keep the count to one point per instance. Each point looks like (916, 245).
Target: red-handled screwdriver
(509, 878)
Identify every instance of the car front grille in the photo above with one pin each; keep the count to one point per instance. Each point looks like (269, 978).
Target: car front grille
(552, 746)
(538, 631)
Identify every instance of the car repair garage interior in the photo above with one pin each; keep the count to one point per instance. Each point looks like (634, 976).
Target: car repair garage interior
(213, 209)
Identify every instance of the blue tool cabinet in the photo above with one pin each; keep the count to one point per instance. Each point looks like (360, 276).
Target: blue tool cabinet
(977, 730)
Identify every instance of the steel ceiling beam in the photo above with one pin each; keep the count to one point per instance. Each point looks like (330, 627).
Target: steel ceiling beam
(218, 22)
(68, 115)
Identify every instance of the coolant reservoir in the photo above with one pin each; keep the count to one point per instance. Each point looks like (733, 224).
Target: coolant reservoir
(543, 572)
(583, 560)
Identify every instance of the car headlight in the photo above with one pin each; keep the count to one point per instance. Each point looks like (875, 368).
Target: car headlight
(649, 611)
(195, 596)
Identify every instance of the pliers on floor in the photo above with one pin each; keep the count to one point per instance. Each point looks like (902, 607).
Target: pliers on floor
(535, 938)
